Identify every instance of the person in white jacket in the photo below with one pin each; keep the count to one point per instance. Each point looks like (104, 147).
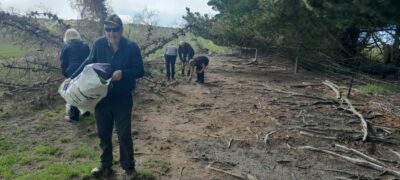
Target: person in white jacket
(171, 52)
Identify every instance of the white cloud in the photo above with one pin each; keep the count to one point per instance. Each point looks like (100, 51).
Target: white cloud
(169, 12)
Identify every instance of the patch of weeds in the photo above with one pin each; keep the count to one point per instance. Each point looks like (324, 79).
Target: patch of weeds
(61, 170)
(381, 88)
(65, 139)
(145, 173)
(87, 121)
(18, 131)
(11, 162)
(9, 50)
(156, 164)
(5, 143)
(24, 147)
(83, 151)
(49, 150)
(48, 114)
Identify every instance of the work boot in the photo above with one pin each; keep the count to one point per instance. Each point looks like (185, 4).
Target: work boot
(101, 171)
(70, 120)
(130, 174)
(86, 114)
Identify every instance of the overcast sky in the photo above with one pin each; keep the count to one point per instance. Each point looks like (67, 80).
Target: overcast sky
(169, 12)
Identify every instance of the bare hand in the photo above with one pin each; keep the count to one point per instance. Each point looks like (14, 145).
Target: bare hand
(117, 75)
(67, 81)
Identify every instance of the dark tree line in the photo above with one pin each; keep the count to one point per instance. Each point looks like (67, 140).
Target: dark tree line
(339, 31)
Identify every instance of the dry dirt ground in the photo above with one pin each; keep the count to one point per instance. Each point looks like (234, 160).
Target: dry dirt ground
(246, 122)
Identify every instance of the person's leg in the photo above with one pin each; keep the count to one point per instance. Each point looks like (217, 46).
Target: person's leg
(188, 71)
(123, 114)
(173, 60)
(183, 67)
(167, 62)
(74, 113)
(104, 120)
(198, 74)
(201, 78)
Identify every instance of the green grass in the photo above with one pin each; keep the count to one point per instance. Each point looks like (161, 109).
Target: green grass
(49, 150)
(381, 88)
(60, 170)
(65, 139)
(196, 42)
(5, 144)
(83, 151)
(8, 50)
(150, 165)
(12, 162)
(145, 173)
(374, 54)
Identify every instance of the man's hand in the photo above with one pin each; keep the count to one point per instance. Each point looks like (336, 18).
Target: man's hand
(67, 81)
(117, 75)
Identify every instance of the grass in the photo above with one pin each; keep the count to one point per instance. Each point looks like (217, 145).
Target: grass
(84, 151)
(5, 144)
(49, 150)
(8, 50)
(65, 139)
(151, 165)
(12, 162)
(60, 170)
(381, 88)
(196, 42)
(145, 173)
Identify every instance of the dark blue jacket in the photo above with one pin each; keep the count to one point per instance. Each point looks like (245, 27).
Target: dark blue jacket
(199, 60)
(128, 59)
(72, 55)
(185, 51)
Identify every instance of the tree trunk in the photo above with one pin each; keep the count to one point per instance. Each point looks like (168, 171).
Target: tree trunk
(395, 53)
(349, 41)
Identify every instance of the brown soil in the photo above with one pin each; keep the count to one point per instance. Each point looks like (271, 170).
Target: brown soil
(191, 125)
(224, 122)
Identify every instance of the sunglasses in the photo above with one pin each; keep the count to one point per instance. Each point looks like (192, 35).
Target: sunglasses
(117, 29)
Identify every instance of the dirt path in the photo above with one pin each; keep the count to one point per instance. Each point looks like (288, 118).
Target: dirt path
(225, 121)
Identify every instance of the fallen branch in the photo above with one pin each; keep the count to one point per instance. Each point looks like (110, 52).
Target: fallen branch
(395, 153)
(252, 132)
(343, 178)
(230, 143)
(361, 155)
(267, 136)
(364, 123)
(359, 162)
(340, 171)
(334, 87)
(181, 172)
(317, 136)
(225, 172)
